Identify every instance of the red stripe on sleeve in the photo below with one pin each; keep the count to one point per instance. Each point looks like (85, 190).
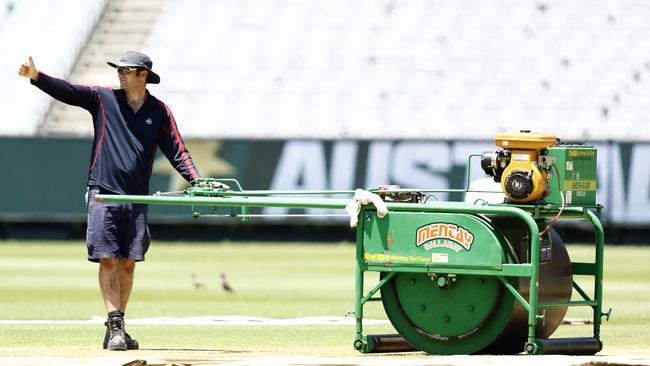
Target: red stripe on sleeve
(101, 139)
(179, 141)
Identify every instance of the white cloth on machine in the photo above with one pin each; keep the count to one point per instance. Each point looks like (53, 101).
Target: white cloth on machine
(362, 197)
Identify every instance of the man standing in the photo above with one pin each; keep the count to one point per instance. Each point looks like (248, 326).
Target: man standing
(129, 124)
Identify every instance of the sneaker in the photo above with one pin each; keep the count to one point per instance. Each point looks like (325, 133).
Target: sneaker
(131, 344)
(116, 335)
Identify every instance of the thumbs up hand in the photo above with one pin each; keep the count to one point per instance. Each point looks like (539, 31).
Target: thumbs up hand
(28, 70)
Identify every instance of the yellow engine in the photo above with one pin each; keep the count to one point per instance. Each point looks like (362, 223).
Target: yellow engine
(519, 166)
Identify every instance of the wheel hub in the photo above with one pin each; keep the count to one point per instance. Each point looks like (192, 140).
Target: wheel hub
(446, 308)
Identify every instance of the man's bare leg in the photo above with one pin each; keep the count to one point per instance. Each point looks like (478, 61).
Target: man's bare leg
(109, 283)
(125, 270)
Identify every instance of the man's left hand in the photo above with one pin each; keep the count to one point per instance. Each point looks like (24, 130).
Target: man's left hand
(215, 185)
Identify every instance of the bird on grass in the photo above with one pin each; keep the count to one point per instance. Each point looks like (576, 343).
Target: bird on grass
(225, 285)
(196, 281)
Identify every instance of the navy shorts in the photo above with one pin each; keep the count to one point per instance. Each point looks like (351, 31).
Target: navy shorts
(116, 230)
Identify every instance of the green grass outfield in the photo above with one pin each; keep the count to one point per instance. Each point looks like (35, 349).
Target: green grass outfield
(53, 281)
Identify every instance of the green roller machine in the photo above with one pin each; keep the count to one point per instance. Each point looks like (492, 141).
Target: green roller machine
(463, 277)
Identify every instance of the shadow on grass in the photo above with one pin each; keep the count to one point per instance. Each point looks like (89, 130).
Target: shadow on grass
(171, 349)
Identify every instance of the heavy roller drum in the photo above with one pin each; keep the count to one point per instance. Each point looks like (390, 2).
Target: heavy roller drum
(466, 314)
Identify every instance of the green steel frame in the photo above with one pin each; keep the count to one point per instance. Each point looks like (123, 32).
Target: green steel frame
(530, 215)
(527, 214)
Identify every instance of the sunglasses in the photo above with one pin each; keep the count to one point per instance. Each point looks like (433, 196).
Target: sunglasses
(123, 70)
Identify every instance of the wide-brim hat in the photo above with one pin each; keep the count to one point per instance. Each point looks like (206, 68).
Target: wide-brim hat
(137, 59)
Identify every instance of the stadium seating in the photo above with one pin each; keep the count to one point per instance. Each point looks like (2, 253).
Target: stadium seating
(53, 32)
(405, 68)
(395, 68)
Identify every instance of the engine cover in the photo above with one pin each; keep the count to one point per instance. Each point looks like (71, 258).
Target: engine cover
(516, 166)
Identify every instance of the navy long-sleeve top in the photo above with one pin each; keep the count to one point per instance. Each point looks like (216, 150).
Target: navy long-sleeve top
(125, 142)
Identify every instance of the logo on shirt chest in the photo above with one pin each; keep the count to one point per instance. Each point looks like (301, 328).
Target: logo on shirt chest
(148, 121)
